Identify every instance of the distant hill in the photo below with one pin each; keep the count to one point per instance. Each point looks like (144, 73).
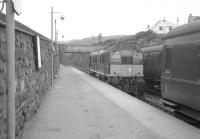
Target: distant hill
(143, 39)
(91, 40)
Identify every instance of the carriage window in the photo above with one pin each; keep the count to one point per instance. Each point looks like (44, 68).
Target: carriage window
(168, 58)
(198, 66)
(198, 72)
(127, 60)
(159, 58)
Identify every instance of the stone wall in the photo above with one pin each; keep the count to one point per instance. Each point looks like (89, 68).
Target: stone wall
(78, 60)
(31, 84)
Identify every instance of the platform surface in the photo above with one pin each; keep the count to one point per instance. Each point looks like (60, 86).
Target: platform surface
(82, 107)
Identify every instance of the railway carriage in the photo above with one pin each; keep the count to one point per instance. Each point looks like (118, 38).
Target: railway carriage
(152, 66)
(180, 85)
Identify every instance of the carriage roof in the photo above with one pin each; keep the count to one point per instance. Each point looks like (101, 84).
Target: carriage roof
(157, 48)
(184, 29)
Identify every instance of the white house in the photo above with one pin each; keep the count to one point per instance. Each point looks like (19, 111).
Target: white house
(163, 26)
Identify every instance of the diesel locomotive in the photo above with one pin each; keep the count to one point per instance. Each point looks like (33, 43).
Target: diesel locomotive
(122, 68)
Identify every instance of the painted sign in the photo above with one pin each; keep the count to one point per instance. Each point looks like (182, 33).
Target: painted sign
(38, 53)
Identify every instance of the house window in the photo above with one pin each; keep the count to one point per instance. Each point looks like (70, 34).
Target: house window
(160, 27)
(170, 28)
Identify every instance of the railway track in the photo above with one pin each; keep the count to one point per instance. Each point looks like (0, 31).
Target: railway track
(154, 100)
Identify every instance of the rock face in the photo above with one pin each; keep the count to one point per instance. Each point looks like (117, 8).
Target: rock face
(31, 84)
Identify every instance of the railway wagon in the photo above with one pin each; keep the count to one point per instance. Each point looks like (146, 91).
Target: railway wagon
(180, 79)
(122, 68)
(152, 66)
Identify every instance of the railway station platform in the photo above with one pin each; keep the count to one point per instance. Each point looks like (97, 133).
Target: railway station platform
(81, 107)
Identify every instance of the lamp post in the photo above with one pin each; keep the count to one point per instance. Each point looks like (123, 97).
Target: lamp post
(56, 47)
(52, 56)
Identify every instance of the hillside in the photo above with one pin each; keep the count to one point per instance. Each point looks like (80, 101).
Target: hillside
(92, 40)
(143, 39)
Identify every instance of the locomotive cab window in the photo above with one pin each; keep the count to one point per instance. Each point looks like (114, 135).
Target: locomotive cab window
(127, 60)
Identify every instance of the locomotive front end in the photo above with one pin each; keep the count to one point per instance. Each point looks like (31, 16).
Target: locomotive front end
(126, 63)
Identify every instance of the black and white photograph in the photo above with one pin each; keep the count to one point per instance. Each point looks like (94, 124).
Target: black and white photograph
(99, 69)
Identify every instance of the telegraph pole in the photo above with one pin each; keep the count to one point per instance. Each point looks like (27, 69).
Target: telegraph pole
(11, 86)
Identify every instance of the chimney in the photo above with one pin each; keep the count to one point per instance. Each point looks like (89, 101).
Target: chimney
(148, 27)
(177, 21)
(189, 18)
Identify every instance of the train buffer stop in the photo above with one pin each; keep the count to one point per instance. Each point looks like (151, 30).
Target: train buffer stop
(82, 107)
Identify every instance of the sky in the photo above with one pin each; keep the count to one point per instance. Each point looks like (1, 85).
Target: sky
(87, 18)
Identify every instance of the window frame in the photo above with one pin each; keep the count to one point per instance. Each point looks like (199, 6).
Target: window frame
(126, 60)
(198, 63)
(161, 28)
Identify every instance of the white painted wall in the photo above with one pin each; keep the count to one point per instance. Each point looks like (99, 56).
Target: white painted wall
(165, 25)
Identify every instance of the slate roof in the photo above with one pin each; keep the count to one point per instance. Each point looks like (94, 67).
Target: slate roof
(20, 26)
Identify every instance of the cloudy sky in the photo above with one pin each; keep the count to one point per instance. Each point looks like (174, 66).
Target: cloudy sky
(86, 18)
